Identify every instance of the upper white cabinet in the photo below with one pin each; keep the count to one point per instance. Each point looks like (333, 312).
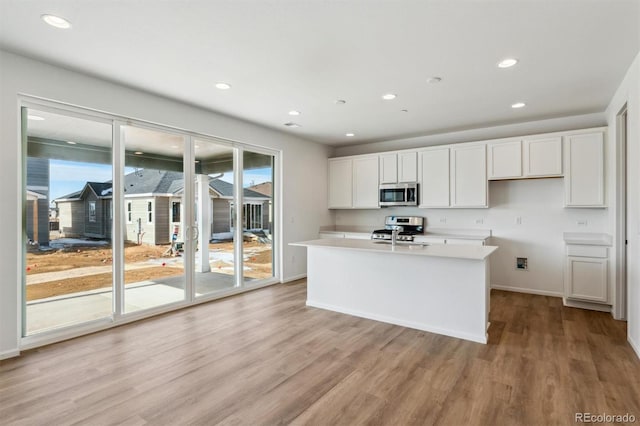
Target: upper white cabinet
(468, 176)
(399, 167)
(365, 182)
(353, 182)
(340, 183)
(528, 158)
(584, 170)
(504, 160)
(542, 157)
(434, 178)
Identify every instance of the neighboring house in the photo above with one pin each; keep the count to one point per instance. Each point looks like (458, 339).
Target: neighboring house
(37, 211)
(153, 208)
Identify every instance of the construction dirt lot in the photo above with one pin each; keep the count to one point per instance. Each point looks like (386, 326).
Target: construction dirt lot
(258, 258)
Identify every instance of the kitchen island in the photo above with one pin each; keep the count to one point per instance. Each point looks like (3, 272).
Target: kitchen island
(437, 288)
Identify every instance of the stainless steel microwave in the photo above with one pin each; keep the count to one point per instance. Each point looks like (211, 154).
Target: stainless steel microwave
(398, 194)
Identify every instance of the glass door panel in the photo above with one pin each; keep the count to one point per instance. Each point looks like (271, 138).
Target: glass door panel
(154, 219)
(67, 218)
(215, 266)
(257, 216)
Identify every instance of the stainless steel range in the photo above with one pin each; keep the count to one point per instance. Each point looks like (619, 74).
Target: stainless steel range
(405, 226)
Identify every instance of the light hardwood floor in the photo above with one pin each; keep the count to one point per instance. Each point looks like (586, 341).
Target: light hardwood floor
(265, 358)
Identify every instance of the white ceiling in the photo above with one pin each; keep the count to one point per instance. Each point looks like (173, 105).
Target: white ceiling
(281, 55)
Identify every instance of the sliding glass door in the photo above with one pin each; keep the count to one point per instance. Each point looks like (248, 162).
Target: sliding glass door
(67, 218)
(124, 218)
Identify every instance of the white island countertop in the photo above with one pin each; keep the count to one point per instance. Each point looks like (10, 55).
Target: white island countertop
(471, 252)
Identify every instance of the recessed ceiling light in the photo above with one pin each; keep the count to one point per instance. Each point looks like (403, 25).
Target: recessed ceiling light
(388, 96)
(223, 86)
(349, 135)
(518, 105)
(294, 112)
(340, 102)
(71, 142)
(138, 153)
(434, 80)
(404, 110)
(56, 21)
(507, 62)
(290, 124)
(35, 117)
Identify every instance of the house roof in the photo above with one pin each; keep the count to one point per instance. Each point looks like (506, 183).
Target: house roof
(265, 188)
(148, 181)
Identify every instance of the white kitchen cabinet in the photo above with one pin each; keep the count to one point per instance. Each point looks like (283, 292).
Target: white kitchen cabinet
(388, 168)
(542, 157)
(468, 176)
(434, 178)
(586, 273)
(584, 170)
(340, 183)
(365, 182)
(407, 167)
(399, 167)
(504, 160)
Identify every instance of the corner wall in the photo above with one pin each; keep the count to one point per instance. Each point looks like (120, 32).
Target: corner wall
(629, 93)
(304, 206)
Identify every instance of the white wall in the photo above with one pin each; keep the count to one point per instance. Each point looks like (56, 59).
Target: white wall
(539, 238)
(629, 93)
(304, 205)
(495, 132)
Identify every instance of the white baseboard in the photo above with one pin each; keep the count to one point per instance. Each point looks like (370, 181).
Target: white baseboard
(9, 354)
(586, 305)
(403, 323)
(527, 290)
(634, 345)
(293, 278)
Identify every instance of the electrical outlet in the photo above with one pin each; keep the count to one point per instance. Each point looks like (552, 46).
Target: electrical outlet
(293, 258)
(582, 222)
(443, 220)
(479, 221)
(518, 220)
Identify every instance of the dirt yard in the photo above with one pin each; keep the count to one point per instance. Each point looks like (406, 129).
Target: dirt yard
(258, 257)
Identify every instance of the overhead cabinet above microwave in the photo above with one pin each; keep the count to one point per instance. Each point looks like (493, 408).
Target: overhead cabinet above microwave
(399, 167)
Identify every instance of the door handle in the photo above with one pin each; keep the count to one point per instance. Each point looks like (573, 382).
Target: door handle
(195, 233)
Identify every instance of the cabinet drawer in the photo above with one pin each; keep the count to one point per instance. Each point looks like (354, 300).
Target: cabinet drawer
(587, 251)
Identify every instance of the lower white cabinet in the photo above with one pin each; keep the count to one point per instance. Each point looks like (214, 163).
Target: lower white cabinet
(586, 272)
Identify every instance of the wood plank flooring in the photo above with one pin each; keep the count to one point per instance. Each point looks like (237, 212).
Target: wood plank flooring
(264, 358)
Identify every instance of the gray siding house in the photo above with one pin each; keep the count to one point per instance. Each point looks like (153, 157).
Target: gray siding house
(37, 211)
(153, 208)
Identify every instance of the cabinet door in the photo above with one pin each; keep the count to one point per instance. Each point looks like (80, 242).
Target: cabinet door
(408, 167)
(543, 157)
(584, 170)
(340, 183)
(504, 160)
(365, 182)
(388, 168)
(586, 279)
(434, 178)
(468, 176)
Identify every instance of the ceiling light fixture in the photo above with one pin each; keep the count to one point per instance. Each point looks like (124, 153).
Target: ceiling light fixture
(507, 63)
(35, 117)
(223, 86)
(294, 112)
(518, 105)
(291, 124)
(349, 135)
(340, 102)
(138, 153)
(388, 96)
(434, 80)
(72, 143)
(404, 110)
(56, 21)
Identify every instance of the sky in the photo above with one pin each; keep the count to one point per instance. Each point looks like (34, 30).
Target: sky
(67, 177)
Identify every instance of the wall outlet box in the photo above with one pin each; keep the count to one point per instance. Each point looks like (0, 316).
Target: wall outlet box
(522, 263)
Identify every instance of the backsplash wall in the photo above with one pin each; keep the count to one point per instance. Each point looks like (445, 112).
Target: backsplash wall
(539, 205)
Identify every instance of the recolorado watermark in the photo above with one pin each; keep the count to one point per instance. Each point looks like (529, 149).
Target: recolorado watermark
(604, 418)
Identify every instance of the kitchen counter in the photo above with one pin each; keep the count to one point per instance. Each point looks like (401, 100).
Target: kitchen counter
(434, 250)
(438, 288)
(588, 238)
